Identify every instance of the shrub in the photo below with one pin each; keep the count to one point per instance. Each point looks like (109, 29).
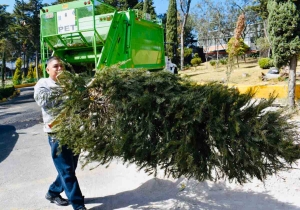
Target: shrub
(187, 66)
(7, 92)
(39, 71)
(17, 79)
(30, 76)
(213, 62)
(254, 55)
(265, 63)
(196, 61)
(223, 61)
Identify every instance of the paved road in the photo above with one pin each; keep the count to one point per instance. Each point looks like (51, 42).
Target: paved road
(20, 112)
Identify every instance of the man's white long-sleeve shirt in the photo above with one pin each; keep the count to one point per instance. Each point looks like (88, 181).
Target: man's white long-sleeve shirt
(43, 90)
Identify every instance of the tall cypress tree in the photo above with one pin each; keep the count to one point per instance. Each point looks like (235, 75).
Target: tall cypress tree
(171, 30)
(284, 30)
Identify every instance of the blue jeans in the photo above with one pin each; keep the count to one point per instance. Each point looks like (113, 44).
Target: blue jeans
(65, 162)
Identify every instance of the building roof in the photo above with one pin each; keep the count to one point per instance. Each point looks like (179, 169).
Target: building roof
(214, 48)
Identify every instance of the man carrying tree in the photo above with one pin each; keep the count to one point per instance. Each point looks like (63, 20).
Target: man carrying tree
(45, 92)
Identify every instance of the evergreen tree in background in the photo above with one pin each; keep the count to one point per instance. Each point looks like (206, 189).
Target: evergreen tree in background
(61, 1)
(159, 120)
(145, 6)
(17, 79)
(148, 7)
(26, 29)
(30, 75)
(284, 31)
(122, 5)
(5, 20)
(40, 72)
(236, 50)
(171, 31)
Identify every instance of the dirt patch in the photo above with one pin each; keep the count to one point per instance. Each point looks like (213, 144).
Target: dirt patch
(247, 72)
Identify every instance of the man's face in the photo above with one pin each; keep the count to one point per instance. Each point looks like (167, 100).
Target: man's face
(53, 68)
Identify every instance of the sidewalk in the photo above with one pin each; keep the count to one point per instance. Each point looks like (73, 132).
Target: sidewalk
(26, 170)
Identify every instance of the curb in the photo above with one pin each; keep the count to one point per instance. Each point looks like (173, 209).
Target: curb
(264, 91)
(25, 85)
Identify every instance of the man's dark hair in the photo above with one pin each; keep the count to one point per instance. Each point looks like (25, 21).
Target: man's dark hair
(53, 58)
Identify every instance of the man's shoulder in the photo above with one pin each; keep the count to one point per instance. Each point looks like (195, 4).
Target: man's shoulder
(44, 81)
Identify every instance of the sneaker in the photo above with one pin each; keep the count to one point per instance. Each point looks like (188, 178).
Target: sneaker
(58, 200)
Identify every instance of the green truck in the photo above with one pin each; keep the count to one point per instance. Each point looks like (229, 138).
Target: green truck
(91, 32)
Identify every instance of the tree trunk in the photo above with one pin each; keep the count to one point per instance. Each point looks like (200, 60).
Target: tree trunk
(292, 82)
(267, 36)
(217, 45)
(3, 68)
(36, 65)
(182, 42)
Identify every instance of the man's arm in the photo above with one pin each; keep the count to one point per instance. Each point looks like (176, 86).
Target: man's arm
(43, 95)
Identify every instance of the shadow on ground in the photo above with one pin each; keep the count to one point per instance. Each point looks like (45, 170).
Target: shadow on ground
(164, 194)
(248, 67)
(8, 139)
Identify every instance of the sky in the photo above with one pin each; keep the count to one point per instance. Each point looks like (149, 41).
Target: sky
(161, 6)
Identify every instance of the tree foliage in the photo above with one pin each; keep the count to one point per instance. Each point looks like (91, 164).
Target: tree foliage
(30, 74)
(284, 30)
(146, 7)
(262, 44)
(260, 7)
(122, 5)
(184, 10)
(17, 79)
(171, 30)
(234, 49)
(5, 21)
(26, 29)
(159, 120)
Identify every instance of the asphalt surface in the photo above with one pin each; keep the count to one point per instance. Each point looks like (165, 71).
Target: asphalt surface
(20, 112)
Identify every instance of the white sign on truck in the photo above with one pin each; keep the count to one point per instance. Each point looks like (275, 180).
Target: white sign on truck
(66, 21)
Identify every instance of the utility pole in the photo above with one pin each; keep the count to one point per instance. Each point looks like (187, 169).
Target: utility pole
(3, 68)
(36, 65)
(36, 52)
(3, 64)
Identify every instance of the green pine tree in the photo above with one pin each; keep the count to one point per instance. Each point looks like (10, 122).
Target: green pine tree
(17, 79)
(159, 120)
